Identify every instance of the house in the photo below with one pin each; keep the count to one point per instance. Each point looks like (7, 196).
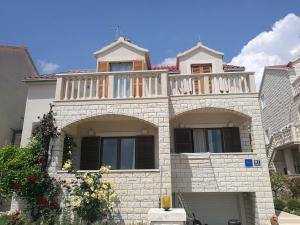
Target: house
(279, 100)
(15, 63)
(192, 130)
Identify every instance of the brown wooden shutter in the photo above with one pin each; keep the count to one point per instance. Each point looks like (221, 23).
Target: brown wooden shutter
(231, 139)
(183, 140)
(90, 157)
(137, 65)
(144, 152)
(103, 66)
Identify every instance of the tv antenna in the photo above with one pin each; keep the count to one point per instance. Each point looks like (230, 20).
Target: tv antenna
(117, 30)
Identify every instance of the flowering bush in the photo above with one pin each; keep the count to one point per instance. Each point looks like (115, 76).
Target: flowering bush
(93, 196)
(24, 171)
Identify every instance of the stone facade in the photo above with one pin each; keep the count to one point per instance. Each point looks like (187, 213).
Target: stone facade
(139, 190)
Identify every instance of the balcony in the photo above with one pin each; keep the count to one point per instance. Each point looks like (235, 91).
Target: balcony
(149, 84)
(296, 86)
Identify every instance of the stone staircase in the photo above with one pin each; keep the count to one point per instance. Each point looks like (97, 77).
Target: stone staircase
(287, 218)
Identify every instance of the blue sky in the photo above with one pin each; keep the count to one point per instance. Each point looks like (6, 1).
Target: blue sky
(65, 33)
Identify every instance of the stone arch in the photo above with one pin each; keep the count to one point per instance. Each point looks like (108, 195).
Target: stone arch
(209, 109)
(103, 117)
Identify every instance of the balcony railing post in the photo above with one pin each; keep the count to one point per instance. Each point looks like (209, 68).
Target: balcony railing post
(58, 90)
(110, 86)
(206, 85)
(252, 86)
(164, 84)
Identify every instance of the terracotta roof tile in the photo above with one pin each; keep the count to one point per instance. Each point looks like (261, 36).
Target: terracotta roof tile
(169, 68)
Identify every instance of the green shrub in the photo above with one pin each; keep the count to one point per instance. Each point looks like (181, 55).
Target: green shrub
(293, 204)
(278, 182)
(279, 204)
(294, 185)
(297, 212)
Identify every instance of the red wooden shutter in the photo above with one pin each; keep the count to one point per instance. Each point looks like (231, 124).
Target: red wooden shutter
(231, 139)
(138, 65)
(183, 140)
(144, 152)
(103, 66)
(90, 157)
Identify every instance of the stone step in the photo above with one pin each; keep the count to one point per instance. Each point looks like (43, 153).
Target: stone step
(287, 218)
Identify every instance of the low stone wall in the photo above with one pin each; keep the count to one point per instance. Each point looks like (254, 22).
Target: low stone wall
(137, 190)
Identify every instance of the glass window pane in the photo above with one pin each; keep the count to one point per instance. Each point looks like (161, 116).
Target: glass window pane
(127, 153)
(110, 153)
(126, 66)
(214, 137)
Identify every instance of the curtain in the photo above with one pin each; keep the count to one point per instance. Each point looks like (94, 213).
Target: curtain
(199, 140)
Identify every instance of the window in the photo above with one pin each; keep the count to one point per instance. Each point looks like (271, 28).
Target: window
(118, 152)
(201, 68)
(215, 140)
(262, 101)
(120, 66)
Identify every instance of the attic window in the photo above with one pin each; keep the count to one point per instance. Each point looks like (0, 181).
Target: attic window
(201, 68)
(120, 66)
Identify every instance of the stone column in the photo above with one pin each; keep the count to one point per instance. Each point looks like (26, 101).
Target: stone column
(289, 161)
(56, 154)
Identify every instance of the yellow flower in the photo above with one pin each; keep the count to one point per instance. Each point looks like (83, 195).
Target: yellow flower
(104, 169)
(89, 181)
(94, 195)
(113, 197)
(76, 203)
(67, 165)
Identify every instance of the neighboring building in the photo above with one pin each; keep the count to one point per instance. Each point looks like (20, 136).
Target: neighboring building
(194, 129)
(15, 64)
(280, 105)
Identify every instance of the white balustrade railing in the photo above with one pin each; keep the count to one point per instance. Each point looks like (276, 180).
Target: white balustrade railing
(110, 85)
(218, 83)
(149, 84)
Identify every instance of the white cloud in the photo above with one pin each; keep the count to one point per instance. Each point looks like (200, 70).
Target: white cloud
(47, 67)
(168, 61)
(277, 46)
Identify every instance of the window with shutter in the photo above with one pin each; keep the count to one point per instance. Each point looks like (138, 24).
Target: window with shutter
(231, 139)
(128, 152)
(90, 156)
(144, 152)
(183, 140)
(200, 68)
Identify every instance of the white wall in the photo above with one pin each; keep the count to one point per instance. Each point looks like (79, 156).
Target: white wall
(200, 56)
(40, 95)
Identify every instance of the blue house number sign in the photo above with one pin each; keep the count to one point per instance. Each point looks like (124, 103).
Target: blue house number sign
(252, 163)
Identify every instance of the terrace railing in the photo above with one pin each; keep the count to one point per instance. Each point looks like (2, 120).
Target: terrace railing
(149, 84)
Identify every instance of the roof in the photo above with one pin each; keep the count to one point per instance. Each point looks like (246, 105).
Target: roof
(22, 48)
(52, 76)
(279, 66)
(231, 68)
(199, 45)
(121, 40)
(166, 67)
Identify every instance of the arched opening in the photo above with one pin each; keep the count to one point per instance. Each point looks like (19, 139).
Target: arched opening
(122, 142)
(214, 130)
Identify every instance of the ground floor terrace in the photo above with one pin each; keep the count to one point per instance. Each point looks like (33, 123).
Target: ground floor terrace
(287, 160)
(209, 150)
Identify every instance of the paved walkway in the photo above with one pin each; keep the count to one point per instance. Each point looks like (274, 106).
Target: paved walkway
(287, 218)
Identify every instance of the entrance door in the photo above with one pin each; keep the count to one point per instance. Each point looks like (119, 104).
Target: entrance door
(90, 153)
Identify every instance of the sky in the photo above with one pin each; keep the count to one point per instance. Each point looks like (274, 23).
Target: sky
(62, 35)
